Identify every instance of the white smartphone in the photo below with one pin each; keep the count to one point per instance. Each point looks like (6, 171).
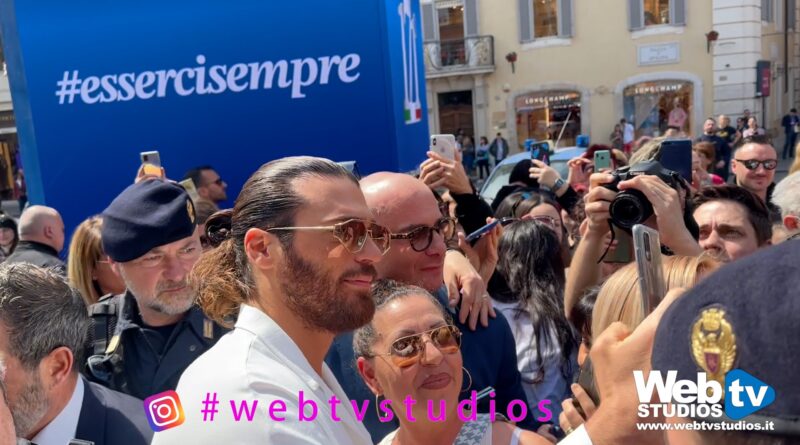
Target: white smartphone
(150, 157)
(444, 145)
(647, 248)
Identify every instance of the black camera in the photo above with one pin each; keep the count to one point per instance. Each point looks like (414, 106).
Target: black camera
(632, 207)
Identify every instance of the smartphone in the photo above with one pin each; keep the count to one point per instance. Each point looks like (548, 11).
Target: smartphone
(676, 155)
(623, 253)
(444, 145)
(191, 190)
(541, 151)
(586, 380)
(647, 245)
(150, 157)
(478, 234)
(602, 160)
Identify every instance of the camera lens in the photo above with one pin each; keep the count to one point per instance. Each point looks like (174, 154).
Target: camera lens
(629, 208)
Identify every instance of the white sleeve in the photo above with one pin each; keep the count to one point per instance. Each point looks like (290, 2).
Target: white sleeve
(577, 437)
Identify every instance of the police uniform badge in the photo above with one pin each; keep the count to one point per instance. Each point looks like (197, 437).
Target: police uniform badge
(208, 329)
(714, 344)
(190, 210)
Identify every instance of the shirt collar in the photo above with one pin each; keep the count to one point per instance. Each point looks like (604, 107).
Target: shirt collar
(62, 429)
(37, 246)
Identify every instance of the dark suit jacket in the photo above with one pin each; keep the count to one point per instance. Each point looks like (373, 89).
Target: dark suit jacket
(112, 418)
(37, 254)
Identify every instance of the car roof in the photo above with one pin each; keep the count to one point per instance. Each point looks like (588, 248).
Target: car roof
(561, 154)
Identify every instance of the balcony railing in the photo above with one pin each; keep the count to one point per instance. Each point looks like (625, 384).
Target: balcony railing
(471, 55)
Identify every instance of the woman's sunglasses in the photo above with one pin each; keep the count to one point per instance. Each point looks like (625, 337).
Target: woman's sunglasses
(407, 351)
(353, 234)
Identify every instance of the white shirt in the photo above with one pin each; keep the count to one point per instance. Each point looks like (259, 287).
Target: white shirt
(259, 361)
(501, 149)
(627, 136)
(62, 429)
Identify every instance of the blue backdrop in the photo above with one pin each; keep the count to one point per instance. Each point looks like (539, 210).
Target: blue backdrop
(231, 84)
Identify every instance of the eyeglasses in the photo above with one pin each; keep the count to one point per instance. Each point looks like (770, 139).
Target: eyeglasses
(792, 237)
(422, 237)
(407, 351)
(353, 234)
(549, 221)
(752, 164)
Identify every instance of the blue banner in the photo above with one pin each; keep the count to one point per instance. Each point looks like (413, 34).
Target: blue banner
(230, 84)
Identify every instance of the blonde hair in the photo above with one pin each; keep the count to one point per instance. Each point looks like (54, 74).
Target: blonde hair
(620, 299)
(648, 151)
(85, 250)
(796, 164)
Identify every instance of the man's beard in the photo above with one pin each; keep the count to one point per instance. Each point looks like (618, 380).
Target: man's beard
(31, 406)
(174, 303)
(322, 301)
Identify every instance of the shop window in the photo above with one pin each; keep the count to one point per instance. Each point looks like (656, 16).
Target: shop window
(653, 107)
(543, 115)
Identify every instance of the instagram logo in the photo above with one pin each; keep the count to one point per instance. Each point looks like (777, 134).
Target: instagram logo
(164, 411)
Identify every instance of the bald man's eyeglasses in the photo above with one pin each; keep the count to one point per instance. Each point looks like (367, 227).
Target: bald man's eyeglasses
(422, 237)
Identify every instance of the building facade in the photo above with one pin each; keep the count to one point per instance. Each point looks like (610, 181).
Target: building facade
(554, 69)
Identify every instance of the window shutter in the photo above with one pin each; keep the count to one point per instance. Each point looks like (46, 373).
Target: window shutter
(565, 18)
(525, 21)
(792, 17)
(678, 12)
(635, 15)
(470, 18)
(428, 21)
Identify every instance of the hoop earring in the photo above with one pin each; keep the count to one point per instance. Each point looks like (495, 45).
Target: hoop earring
(377, 411)
(470, 379)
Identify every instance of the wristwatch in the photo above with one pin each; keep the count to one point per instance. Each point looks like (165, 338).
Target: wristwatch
(559, 183)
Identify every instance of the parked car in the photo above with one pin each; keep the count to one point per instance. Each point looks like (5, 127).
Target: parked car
(499, 176)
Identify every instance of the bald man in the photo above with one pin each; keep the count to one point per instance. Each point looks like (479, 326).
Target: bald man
(41, 238)
(406, 206)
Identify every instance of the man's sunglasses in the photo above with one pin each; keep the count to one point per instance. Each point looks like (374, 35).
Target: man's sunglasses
(422, 237)
(407, 351)
(752, 164)
(353, 234)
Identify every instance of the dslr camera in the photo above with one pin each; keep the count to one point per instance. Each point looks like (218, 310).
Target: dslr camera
(632, 207)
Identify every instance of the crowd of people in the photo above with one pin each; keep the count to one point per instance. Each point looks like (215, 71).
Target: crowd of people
(324, 308)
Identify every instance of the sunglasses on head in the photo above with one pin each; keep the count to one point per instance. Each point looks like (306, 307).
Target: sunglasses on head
(752, 164)
(407, 351)
(422, 237)
(353, 234)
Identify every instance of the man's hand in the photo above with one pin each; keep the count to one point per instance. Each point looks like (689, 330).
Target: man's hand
(616, 353)
(149, 172)
(667, 207)
(437, 172)
(483, 256)
(465, 284)
(570, 418)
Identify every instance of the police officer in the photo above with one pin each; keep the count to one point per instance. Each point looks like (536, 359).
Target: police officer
(145, 338)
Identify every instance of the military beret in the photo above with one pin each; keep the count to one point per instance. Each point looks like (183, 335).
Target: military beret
(146, 215)
(745, 316)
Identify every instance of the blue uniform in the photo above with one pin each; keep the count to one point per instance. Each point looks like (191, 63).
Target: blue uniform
(139, 360)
